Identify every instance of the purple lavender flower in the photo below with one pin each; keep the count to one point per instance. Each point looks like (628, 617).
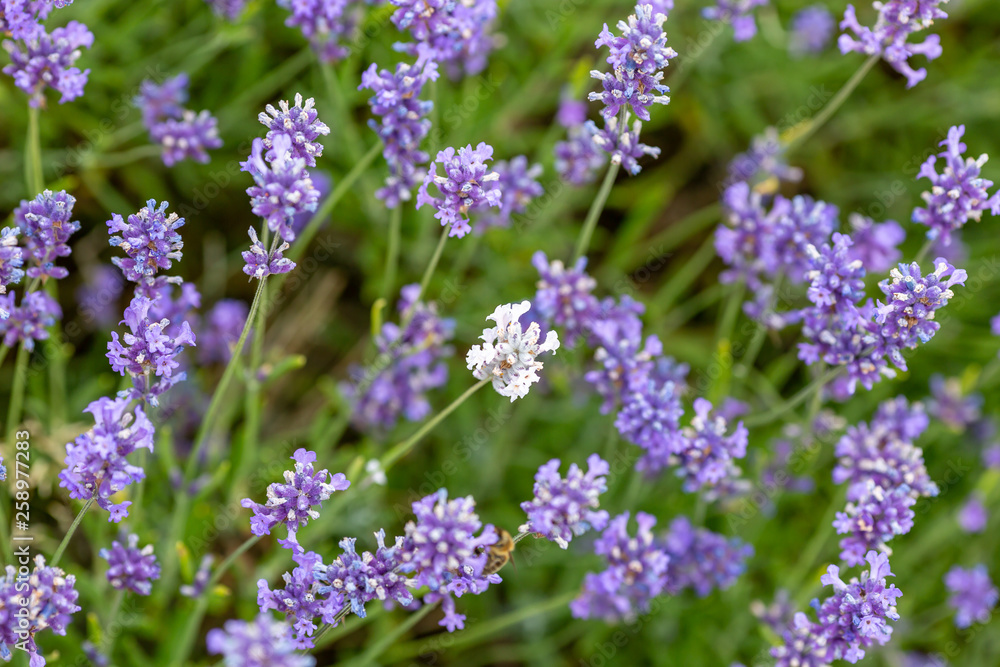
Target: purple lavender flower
(303, 599)
(650, 418)
(779, 614)
(149, 238)
(467, 184)
(46, 225)
(200, 580)
(878, 516)
(325, 23)
(149, 350)
(705, 454)
(97, 463)
(897, 20)
(300, 123)
(284, 188)
(404, 124)
(624, 359)
(157, 102)
(22, 19)
(519, 185)
(11, 261)
(737, 12)
(702, 560)
(416, 355)
(562, 508)
(30, 320)
(456, 34)
(636, 572)
(3, 470)
(187, 137)
(223, 326)
(973, 594)
(260, 263)
(912, 301)
(572, 112)
(764, 159)
(292, 503)
(958, 194)
(98, 296)
(973, 517)
(47, 60)
(564, 296)
(579, 158)
(811, 30)
(991, 457)
(131, 568)
(876, 245)
(361, 578)
(948, 403)
(44, 600)
(263, 642)
(622, 144)
(637, 60)
(228, 9)
(883, 452)
(836, 279)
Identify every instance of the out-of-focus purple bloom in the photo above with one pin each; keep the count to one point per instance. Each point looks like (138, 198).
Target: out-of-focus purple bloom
(883, 452)
(325, 23)
(778, 614)
(223, 326)
(11, 261)
(292, 503)
(32, 603)
(300, 123)
(897, 20)
(360, 578)
(228, 9)
(200, 580)
(263, 642)
(45, 223)
(416, 366)
(948, 403)
(876, 245)
(764, 159)
(911, 304)
(562, 508)
(622, 144)
(705, 454)
(29, 321)
(579, 158)
(518, 185)
(572, 112)
(636, 572)
(958, 194)
(261, 263)
(47, 60)
(303, 599)
(158, 102)
(187, 137)
(467, 185)
(22, 19)
(973, 517)
(650, 418)
(323, 184)
(149, 238)
(404, 123)
(99, 294)
(991, 457)
(811, 30)
(638, 58)
(564, 296)
(149, 351)
(456, 34)
(737, 12)
(702, 560)
(3, 470)
(915, 659)
(508, 355)
(624, 359)
(131, 568)
(973, 594)
(283, 189)
(878, 516)
(97, 463)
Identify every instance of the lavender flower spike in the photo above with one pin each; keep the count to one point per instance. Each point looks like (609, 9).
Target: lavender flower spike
(284, 189)
(300, 123)
(149, 238)
(45, 599)
(11, 261)
(292, 503)
(46, 225)
(131, 568)
(973, 594)
(48, 61)
(466, 185)
(260, 263)
(566, 507)
(263, 642)
(737, 12)
(508, 353)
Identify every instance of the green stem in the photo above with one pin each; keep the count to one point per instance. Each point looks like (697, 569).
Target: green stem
(724, 347)
(109, 632)
(813, 548)
(253, 404)
(926, 248)
(757, 341)
(583, 241)
(432, 266)
(201, 603)
(4, 349)
(33, 176)
(816, 386)
(799, 135)
(404, 447)
(392, 252)
(378, 648)
(17, 391)
(61, 549)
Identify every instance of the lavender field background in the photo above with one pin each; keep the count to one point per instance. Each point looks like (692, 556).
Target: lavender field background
(761, 505)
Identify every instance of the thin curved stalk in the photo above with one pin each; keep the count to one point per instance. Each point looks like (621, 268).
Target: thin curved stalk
(61, 549)
(596, 208)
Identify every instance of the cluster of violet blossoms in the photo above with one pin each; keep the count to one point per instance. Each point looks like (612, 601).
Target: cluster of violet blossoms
(415, 352)
(129, 567)
(325, 23)
(466, 184)
(455, 34)
(41, 60)
(44, 600)
(737, 12)
(182, 133)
